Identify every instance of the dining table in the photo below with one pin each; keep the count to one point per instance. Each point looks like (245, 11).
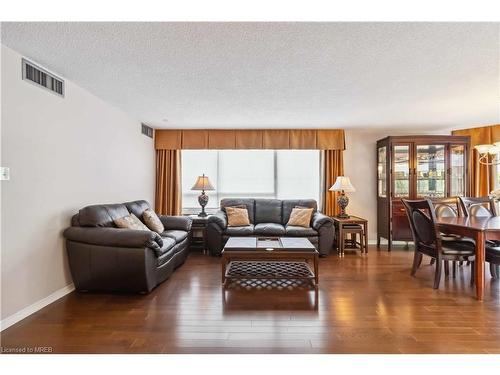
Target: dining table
(480, 229)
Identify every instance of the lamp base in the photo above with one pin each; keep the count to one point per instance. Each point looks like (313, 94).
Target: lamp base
(343, 216)
(203, 200)
(343, 201)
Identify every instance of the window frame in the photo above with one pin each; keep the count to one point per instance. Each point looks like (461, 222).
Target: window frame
(219, 194)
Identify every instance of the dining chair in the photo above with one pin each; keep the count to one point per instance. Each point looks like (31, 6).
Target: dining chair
(484, 207)
(427, 239)
(449, 207)
(478, 206)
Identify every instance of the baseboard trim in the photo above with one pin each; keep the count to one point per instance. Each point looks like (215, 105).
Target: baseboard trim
(31, 309)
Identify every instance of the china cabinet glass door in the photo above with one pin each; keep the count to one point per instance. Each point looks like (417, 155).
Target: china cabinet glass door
(382, 172)
(401, 171)
(457, 170)
(431, 171)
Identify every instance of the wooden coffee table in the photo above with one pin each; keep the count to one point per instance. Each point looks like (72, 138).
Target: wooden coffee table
(270, 258)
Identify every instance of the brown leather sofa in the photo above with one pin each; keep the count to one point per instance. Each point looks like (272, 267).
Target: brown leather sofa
(269, 217)
(104, 257)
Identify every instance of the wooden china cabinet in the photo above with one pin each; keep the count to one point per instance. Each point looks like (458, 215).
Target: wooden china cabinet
(415, 167)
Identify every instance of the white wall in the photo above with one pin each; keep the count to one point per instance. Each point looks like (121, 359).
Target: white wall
(63, 154)
(360, 167)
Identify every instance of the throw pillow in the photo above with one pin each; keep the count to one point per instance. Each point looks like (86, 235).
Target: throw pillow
(237, 217)
(238, 206)
(300, 217)
(130, 222)
(304, 207)
(152, 221)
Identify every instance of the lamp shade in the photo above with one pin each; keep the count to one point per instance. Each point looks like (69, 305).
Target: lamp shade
(342, 184)
(202, 183)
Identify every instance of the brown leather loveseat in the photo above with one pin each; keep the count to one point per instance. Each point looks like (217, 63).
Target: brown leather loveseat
(104, 257)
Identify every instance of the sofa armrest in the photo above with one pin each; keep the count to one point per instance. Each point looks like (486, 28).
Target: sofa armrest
(219, 219)
(177, 222)
(115, 237)
(319, 219)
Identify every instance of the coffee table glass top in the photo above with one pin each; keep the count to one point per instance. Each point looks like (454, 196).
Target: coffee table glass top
(269, 244)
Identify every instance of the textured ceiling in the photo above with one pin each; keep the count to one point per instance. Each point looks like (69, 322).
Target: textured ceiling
(350, 75)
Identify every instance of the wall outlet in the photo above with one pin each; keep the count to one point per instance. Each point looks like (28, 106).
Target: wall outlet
(4, 173)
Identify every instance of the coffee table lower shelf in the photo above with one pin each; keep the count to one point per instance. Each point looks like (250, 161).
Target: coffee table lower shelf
(270, 270)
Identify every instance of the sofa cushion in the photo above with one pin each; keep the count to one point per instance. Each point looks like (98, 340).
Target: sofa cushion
(168, 243)
(101, 215)
(240, 231)
(137, 207)
(268, 211)
(295, 231)
(290, 204)
(176, 235)
(248, 202)
(269, 229)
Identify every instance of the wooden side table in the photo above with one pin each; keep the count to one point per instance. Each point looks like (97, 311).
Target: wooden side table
(198, 232)
(341, 224)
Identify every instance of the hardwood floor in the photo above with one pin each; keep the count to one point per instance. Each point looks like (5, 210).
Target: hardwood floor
(365, 304)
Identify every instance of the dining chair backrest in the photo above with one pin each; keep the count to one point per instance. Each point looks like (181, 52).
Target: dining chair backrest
(478, 206)
(422, 218)
(446, 207)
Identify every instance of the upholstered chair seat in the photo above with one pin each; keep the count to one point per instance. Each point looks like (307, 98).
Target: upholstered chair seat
(459, 247)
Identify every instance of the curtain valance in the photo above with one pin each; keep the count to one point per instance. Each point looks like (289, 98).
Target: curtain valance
(481, 135)
(228, 139)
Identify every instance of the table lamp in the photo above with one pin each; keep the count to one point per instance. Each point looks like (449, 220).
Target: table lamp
(343, 184)
(202, 183)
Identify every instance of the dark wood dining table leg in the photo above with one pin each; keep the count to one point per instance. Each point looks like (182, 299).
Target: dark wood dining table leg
(479, 264)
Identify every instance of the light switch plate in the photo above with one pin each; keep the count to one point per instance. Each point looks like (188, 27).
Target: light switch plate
(4, 174)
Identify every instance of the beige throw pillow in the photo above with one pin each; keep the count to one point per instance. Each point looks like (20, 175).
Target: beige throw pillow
(237, 217)
(153, 221)
(238, 206)
(301, 217)
(130, 222)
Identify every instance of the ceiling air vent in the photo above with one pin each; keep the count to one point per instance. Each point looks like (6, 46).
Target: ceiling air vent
(147, 130)
(41, 77)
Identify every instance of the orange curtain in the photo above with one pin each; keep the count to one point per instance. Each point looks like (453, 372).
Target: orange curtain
(481, 175)
(168, 182)
(333, 167)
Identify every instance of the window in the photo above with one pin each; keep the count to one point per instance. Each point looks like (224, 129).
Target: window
(496, 177)
(282, 174)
